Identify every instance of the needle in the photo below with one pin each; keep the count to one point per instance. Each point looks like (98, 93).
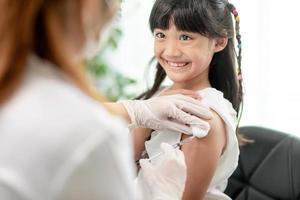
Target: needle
(176, 145)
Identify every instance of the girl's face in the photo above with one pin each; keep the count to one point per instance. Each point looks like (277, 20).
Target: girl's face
(185, 56)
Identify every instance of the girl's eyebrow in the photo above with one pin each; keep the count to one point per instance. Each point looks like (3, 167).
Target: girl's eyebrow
(189, 33)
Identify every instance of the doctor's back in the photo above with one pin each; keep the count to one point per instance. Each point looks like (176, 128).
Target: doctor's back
(56, 142)
(54, 138)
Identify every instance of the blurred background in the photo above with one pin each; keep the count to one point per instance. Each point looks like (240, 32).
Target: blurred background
(270, 35)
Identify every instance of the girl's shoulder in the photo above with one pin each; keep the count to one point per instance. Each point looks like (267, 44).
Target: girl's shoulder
(224, 111)
(213, 96)
(215, 100)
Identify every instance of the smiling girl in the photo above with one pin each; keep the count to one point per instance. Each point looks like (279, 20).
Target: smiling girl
(194, 47)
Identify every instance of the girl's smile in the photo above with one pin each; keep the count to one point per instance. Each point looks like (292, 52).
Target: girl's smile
(177, 66)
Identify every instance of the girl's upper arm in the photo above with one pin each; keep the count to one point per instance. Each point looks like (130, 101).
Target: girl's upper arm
(202, 156)
(140, 135)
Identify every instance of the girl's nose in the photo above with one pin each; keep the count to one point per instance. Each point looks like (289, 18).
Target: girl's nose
(172, 50)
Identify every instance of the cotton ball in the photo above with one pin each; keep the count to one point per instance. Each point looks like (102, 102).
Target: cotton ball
(200, 132)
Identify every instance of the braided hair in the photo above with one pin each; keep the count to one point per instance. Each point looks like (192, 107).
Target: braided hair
(234, 12)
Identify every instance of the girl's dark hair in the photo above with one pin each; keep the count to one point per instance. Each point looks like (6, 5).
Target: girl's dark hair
(212, 19)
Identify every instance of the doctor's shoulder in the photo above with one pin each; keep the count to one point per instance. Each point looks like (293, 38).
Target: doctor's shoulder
(82, 112)
(48, 101)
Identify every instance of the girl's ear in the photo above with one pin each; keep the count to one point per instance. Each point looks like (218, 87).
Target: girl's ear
(220, 44)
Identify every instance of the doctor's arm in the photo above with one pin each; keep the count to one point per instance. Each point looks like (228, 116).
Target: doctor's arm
(105, 173)
(120, 110)
(155, 113)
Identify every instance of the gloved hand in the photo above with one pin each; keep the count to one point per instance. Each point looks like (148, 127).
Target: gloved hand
(175, 112)
(166, 179)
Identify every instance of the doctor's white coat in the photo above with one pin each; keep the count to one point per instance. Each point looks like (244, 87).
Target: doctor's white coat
(56, 143)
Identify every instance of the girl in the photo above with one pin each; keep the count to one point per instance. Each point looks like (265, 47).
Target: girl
(194, 47)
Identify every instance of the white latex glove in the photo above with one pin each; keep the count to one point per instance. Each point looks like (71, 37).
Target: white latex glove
(166, 179)
(175, 112)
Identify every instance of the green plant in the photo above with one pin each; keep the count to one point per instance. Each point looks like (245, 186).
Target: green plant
(108, 80)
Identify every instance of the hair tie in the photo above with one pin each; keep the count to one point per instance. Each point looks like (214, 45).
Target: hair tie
(239, 77)
(234, 12)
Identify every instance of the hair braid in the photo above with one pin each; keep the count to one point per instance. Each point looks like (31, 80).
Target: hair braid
(233, 10)
(242, 140)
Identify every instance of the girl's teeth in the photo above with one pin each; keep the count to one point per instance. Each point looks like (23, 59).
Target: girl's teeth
(177, 64)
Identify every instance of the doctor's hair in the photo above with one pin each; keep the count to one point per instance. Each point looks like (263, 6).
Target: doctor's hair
(212, 19)
(39, 27)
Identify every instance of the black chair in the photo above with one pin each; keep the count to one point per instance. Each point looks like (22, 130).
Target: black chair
(268, 169)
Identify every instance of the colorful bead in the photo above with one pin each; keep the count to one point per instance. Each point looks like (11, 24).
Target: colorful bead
(239, 77)
(234, 12)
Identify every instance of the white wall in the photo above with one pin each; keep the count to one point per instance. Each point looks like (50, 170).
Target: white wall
(270, 33)
(271, 66)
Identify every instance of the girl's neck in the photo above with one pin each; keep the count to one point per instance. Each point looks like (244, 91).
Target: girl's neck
(194, 84)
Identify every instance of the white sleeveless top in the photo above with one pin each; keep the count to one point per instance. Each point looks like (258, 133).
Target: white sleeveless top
(228, 161)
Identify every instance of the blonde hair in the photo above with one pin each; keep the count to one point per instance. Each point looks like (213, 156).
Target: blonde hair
(34, 26)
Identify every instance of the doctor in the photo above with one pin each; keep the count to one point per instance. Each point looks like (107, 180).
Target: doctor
(58, 140)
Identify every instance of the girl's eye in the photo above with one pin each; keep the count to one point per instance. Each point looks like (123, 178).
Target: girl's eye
(184, 38)
(160, 35)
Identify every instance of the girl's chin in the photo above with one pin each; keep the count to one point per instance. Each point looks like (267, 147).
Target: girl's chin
(178, 78)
